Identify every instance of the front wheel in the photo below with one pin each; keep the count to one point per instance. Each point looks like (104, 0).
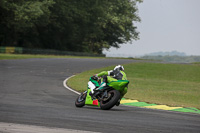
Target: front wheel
(111, 100)
(80, 101)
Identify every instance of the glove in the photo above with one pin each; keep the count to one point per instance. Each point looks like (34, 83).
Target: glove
(95, 77)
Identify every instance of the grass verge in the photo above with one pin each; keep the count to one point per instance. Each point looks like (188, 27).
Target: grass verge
(170, 84)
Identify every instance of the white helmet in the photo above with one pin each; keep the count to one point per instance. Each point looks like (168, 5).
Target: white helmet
(119, 67)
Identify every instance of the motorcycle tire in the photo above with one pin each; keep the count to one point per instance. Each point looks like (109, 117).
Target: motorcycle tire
(80, 101)
(111, 101)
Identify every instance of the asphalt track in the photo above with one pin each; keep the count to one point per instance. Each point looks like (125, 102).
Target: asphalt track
(32, 93)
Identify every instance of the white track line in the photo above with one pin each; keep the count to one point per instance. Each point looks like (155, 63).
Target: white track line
(65, 85)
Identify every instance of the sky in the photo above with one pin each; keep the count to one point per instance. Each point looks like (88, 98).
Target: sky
(166, 25)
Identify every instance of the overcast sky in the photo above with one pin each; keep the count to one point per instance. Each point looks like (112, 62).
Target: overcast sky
(166, 25)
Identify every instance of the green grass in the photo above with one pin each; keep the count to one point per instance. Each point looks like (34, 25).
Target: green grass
(171, 84)
(197, 63)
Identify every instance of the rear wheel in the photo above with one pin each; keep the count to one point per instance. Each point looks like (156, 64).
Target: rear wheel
(80, 101)
(111, 100)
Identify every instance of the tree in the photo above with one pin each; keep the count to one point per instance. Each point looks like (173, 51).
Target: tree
(18, 17)
(73, 25)
(111, 24)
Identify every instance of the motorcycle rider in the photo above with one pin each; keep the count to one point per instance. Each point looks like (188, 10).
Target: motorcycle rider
(108, 76)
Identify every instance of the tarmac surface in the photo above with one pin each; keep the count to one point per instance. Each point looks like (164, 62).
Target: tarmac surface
(32, 97)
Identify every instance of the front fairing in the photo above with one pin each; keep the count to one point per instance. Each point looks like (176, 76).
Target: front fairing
(96, 83)
(89, 101)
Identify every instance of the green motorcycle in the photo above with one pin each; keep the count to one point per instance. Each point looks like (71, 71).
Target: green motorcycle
(104, 98)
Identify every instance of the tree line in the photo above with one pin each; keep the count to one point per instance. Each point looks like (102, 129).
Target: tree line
(71, 25)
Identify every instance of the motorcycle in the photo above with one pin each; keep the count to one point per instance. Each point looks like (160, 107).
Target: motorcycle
(105, 98)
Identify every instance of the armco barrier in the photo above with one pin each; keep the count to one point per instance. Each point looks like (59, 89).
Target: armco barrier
(20, 50)
(11, 50)
(2, 49)
(57, 52)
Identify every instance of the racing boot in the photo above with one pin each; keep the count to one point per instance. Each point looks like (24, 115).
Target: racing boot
(118, 103)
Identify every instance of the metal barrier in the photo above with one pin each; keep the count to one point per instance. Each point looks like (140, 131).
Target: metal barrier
(20, 50)
(11, 50)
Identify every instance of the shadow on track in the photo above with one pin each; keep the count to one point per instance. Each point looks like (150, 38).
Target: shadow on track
(98, 108)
